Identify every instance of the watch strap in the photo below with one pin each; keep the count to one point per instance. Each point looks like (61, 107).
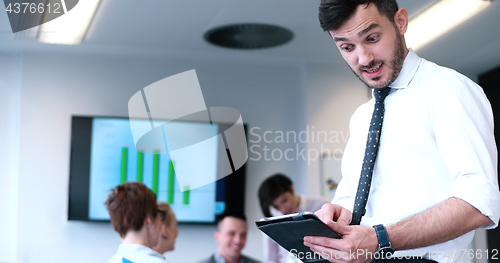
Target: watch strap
(383, 238)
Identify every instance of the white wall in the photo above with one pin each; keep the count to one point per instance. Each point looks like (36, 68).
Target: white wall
(10, 86)
(56, 86)
(332, 97)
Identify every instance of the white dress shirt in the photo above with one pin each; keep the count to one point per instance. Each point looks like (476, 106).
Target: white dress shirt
(273, 252)
(137, 254)
(437, 142)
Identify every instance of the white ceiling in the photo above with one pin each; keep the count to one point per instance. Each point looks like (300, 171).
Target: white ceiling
(176, 28)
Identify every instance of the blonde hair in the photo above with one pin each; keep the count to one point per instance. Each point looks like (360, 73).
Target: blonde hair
(169, 213)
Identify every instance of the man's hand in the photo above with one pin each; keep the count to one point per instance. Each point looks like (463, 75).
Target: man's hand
(353, 247)
(356, 240)
(337, 213)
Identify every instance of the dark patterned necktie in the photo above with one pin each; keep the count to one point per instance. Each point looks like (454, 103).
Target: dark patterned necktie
(372, 144)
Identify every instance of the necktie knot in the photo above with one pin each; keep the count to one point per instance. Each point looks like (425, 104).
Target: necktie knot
(380, 94)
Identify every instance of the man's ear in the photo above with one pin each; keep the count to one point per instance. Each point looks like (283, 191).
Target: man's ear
(292, 189)
(216, 237)
(164, 231)
(148, 221)
(401, 20)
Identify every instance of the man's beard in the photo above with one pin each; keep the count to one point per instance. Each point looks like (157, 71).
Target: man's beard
(396, 65)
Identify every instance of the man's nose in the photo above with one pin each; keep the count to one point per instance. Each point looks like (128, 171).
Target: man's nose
(365, 56)
(238, 239)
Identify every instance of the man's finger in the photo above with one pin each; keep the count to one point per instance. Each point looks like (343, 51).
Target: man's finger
(319, 213)
(329, 254)
(326, 213)
(345, 217)
(323, 241)
(339, 228)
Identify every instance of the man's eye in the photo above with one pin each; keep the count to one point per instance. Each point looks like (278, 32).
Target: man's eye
(373, 39)
(347, 48)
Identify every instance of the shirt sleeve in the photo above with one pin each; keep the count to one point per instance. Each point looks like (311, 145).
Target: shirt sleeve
(344, 195)
(462, 120)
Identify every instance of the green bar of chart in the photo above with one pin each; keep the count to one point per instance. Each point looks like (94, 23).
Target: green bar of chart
(155, 174)
(123, 166)
(170, 189)
(185, 199)
(140, 166)
(156, 171)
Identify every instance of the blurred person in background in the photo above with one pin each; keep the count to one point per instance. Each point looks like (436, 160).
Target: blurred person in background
(231, 237)
(135, 216)
(168, 230)
(277, 197)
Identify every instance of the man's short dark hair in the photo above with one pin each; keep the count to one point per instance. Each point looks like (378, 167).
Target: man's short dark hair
(333, 13)
(230, 214)
(271, 189)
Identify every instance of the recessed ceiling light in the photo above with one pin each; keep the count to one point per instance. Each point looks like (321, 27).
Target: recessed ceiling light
(439, 19)
(70, 28)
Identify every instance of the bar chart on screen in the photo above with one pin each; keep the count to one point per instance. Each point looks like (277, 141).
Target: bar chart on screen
(155, 181)
(115, 160)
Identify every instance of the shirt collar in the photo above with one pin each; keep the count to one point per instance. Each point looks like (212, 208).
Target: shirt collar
(138, 249)
(410, 66)
(218, 258)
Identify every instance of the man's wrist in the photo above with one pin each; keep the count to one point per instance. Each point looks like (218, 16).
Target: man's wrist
(392, 237)
(373, 240)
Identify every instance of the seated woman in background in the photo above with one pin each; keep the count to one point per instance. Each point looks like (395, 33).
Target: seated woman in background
(168, 230)
(277, 197)
(135, 216)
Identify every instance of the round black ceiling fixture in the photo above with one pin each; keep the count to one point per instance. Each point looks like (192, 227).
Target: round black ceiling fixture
(249, 36)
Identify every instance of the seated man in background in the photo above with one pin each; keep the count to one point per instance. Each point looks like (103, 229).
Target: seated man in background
(135, 216)
(168, 230)
(231, 237)
(277, 197)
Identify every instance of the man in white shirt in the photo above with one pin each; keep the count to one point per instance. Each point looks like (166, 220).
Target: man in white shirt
(435, 176)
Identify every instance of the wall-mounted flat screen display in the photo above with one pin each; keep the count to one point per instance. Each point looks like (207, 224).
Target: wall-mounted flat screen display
(103, 155)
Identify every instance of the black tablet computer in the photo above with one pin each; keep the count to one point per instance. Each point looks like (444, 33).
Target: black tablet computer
(289, 232)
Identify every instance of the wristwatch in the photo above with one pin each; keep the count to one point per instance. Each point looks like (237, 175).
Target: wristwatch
(385, 250)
